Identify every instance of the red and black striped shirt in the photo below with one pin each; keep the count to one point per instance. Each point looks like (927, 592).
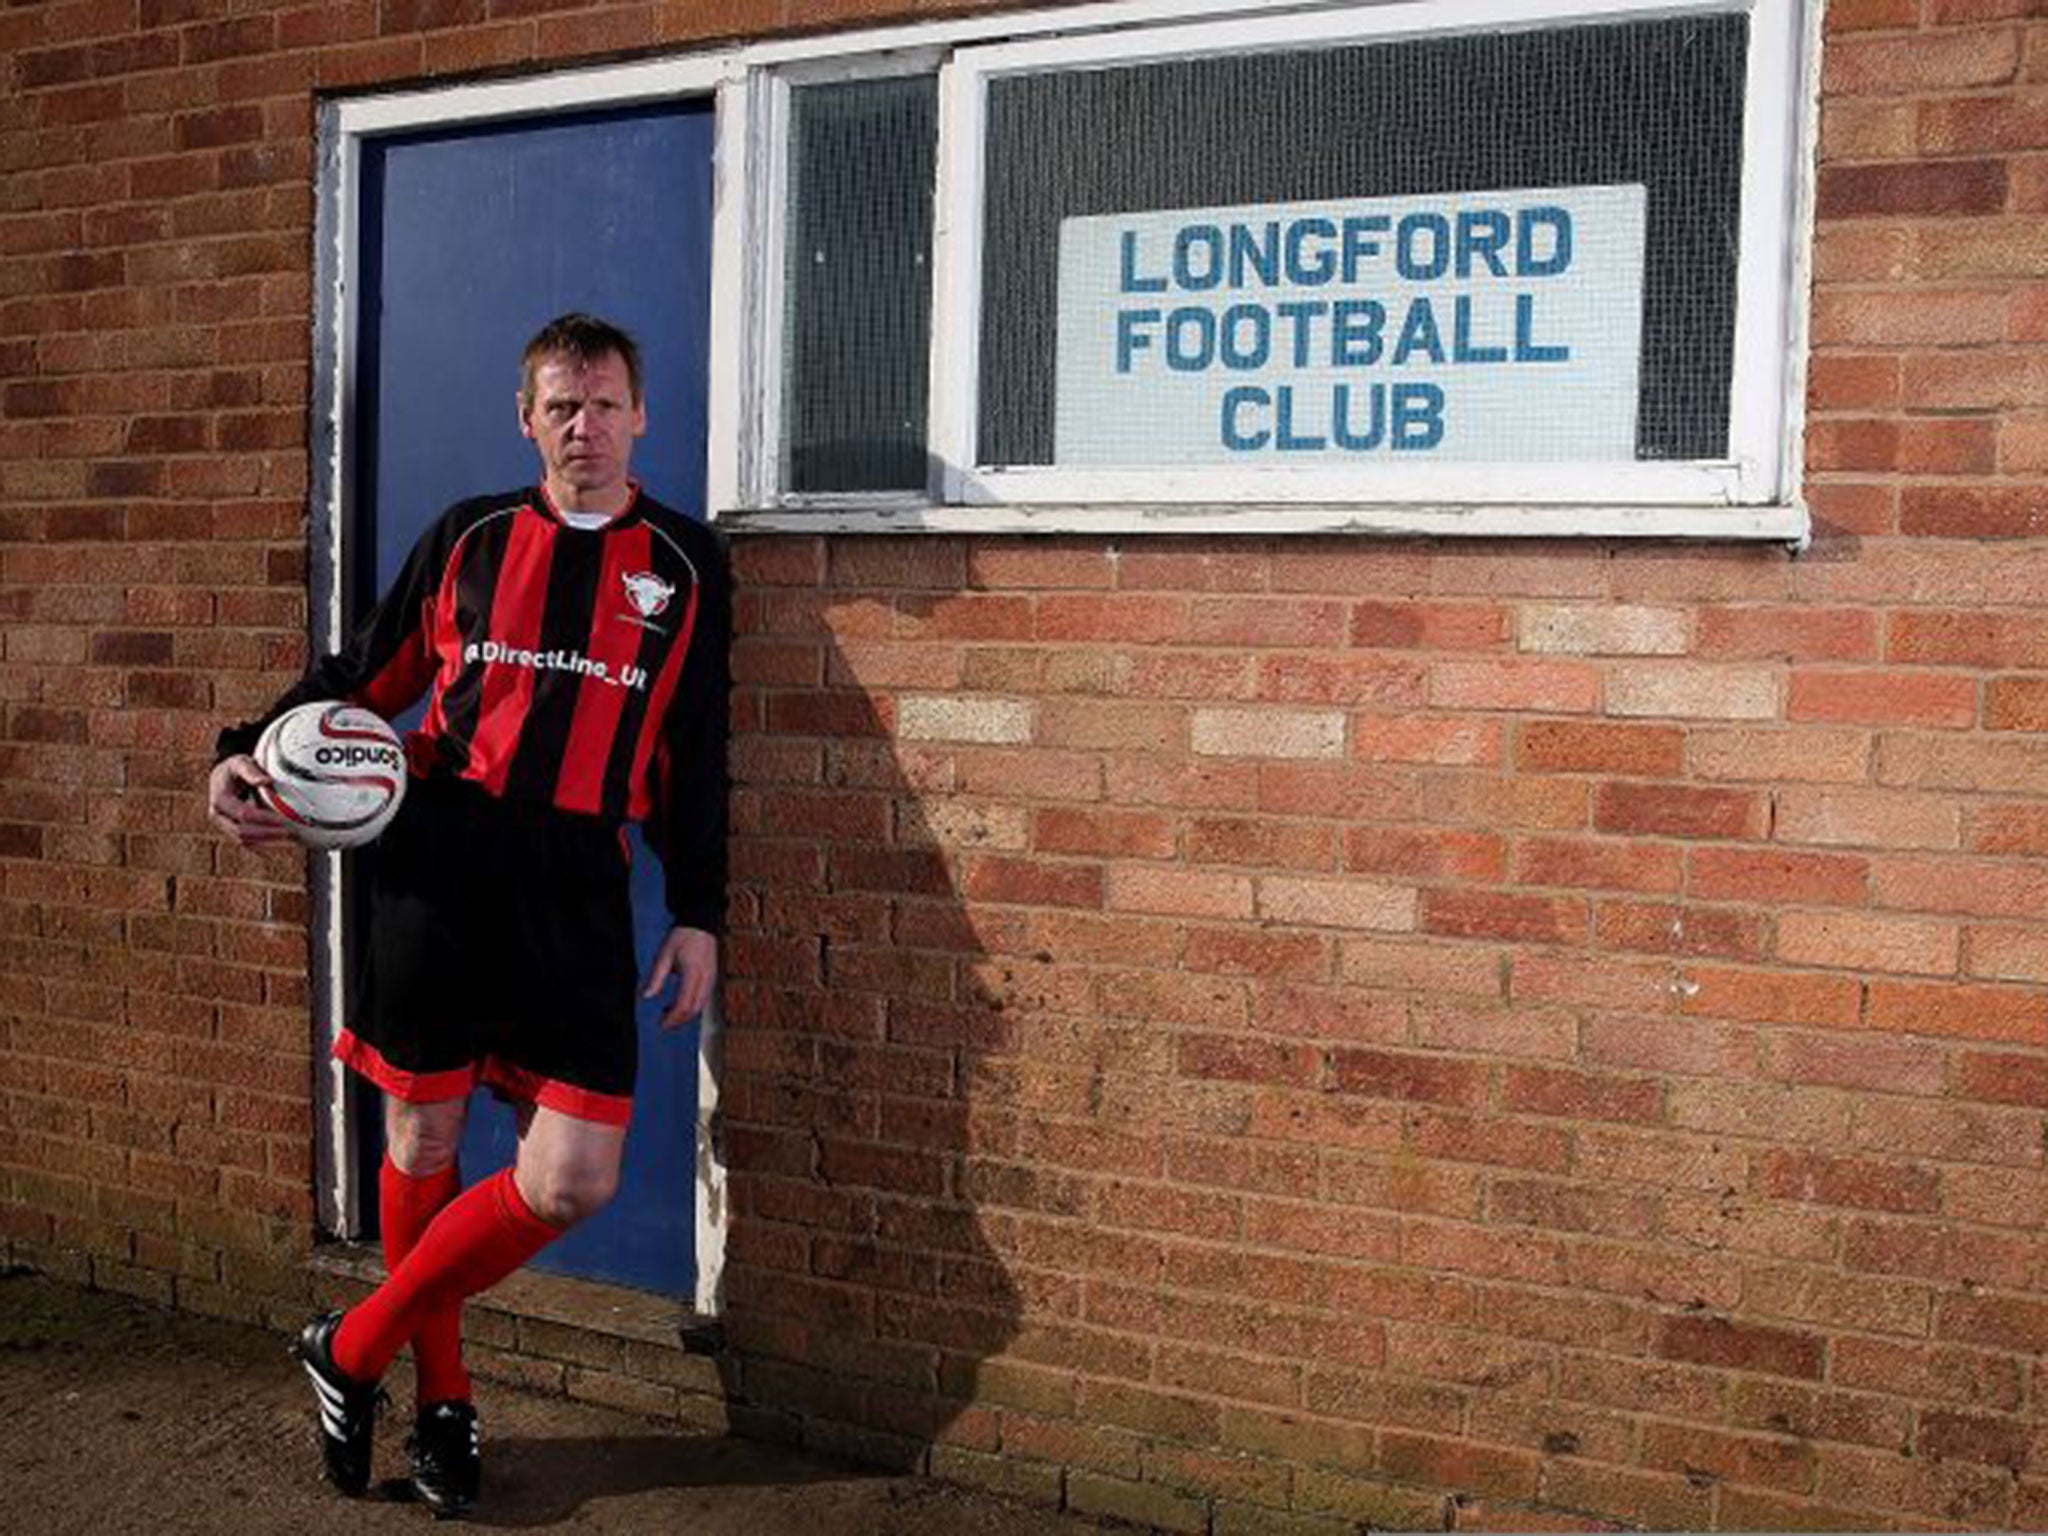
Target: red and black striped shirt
(583, 669)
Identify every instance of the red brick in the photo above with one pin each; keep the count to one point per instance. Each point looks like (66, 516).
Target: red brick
(1671, 928)
(1636, 751)
(1579, 1095)
(2003, 1079)
(1551, 687)
(1266, 622)
(1930, 1372)
(1474, 1028)
(1940, 1252)
(1936, 763)
(1853, 508)
(1860, 1183)
(2012, 1323)
(1752, 1460)
(1973, 512)
(1104, 833)
(1858, 941)
(1598, 865)
(963, 616)
(1834, 444)
(1408, 1077)
(1949, 1436)
(1433, 1352)
(1771, 997)
(1973, 886)
(1331, 678)
(1242, 1058)
(1033, 882)
(1949, 187)
(1993, 122)
(2029, 318)
(1422, 855)
(2015, 1014)
(1875, 818)
(2005, 954)
(1787, 634)
(1883, 698)
(1123, 618)
(1774, 876)
(1652, 1046)
(1229, 1376)
(1445, 968)
(1429, 626)
(1504, 915)
(1325, 1014)
(2016, 704)
(1032, 566)
(2023, 443)
(1872, 15)
(2009, 829)
(1460, 1464)
(1493, 802)
(1741, 1346)
(1347, 792)
(1678, 811)
(1462, 742)
(1322, 1119)
(1852, 381)
(1990, 640)
(1144, 566)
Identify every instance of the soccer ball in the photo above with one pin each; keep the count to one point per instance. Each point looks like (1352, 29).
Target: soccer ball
(337, 773)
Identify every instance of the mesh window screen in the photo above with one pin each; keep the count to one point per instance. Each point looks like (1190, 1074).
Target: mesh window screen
(859, 285)
(1655, 105)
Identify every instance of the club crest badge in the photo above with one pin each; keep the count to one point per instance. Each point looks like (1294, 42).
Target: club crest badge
(648, 594)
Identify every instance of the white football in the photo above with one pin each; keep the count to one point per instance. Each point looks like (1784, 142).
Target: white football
(337, 773)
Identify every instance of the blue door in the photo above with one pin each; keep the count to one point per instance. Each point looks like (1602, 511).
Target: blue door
(470, 241)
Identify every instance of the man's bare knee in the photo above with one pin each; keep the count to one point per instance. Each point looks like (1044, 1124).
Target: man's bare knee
(568, 1168)
(423, 1139)
(562, 1197)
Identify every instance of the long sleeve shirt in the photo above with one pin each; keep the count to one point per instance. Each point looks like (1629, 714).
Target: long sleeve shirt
(582, 669)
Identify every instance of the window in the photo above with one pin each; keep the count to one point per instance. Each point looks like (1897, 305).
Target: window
(856, 327)
(1502, 267)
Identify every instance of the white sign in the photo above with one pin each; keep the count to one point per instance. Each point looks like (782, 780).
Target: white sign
(1489, 326)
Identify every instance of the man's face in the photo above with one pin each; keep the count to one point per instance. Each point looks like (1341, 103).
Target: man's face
(583, 420)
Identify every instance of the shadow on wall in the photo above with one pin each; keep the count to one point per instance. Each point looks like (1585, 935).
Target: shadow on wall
(866, 1023)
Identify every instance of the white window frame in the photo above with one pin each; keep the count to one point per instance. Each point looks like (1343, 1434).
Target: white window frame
(1752, 494)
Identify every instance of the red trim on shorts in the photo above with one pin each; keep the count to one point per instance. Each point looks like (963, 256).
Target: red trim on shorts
(359, 1055)
(509, 1081)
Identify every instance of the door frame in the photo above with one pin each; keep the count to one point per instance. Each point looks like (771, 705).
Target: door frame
(334, 497)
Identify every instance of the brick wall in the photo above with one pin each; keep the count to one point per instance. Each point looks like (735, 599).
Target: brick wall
(1248, 1035)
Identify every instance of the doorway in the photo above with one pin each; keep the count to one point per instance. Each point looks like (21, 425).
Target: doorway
(468, 240)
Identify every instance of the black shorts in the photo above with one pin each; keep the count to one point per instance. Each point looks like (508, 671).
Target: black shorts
(499, 951)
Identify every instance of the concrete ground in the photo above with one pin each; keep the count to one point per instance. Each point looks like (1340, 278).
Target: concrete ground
(120, 1417)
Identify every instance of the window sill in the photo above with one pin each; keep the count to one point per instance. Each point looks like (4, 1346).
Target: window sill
(1788, 524)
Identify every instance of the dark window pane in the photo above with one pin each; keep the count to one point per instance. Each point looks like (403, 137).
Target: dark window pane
(859, 285)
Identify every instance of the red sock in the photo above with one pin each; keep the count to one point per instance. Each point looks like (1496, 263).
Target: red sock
(407, 1203)
(479, 1238)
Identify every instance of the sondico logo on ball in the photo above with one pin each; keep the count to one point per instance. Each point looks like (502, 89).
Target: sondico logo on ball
(358, 756)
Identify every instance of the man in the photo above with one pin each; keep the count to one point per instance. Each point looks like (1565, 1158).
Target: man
(571, 641)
